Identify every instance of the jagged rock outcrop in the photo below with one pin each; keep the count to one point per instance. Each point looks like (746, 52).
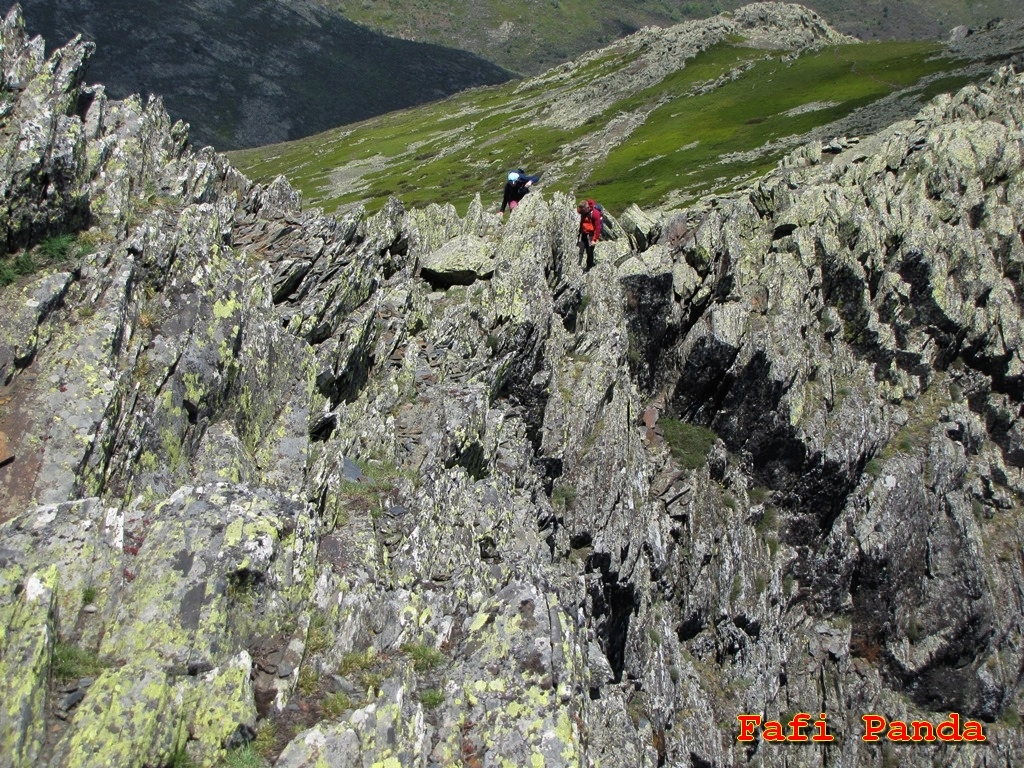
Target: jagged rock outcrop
(279, 487)
(655, 53)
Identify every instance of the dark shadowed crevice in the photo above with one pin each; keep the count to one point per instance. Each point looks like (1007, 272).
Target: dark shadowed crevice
(346, 386)
(651, 324)
(704, 381)
(549, 469)
(568, 303)
(471, 458)
(612, 605)
(744, 408)
(882, 592)
(321, 430)
(440, 281)
(691, 626)
(521, 350)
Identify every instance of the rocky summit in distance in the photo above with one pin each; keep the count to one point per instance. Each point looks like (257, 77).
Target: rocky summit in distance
(414, 489)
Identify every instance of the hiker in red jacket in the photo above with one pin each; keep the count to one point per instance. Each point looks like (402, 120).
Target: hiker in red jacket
(590, 229)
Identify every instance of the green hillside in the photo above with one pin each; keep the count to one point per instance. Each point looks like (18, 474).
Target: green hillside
(528, 37)
(732, 112)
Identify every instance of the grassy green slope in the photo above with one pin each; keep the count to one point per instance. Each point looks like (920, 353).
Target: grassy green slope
(687, 143)
(694, 137)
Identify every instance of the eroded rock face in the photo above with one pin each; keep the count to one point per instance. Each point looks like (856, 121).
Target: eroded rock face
(410, 488)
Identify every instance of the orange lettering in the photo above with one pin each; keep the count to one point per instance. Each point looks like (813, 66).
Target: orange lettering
(973, 731)
(873, 725)
(747, 725)
(898, 731)
(822, 734)
(949, 730)
(796, 726)
(923, 731)
(773, 731)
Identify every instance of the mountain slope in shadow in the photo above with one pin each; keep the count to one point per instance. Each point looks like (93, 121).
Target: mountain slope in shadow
(251, 72)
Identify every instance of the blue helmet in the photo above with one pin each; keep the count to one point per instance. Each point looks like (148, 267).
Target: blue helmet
(513, 176)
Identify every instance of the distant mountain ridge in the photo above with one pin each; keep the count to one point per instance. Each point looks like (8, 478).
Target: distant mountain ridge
(247, 74)
(529, 37)
(250, 73)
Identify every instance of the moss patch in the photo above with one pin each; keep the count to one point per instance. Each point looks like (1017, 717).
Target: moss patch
(688, 443)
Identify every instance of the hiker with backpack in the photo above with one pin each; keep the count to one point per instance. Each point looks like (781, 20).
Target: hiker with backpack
(590, 229)
(517, 185)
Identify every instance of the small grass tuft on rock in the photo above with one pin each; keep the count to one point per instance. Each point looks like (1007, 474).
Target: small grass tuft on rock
(432, 698)
(689, 443)
(317, 636)
(563, 496)
(57, 248)
(308, 681)
(769, 520)
(71, 662)
(244, 757)
(424, 657)
(336, 704)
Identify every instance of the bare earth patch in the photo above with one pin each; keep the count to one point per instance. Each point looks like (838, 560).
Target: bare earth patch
(812, 106)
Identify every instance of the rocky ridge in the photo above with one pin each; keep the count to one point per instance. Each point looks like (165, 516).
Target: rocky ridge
(655, 53)
(415, 489)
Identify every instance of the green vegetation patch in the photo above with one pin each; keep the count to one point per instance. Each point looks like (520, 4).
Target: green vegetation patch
(689, 443)
(769, 521)
(336, 704)
(690, 143)
(51, 252)
(71, 662)
(357, 662)
(244, 757)
(424, 657)
(432, 698)
(365, 667)
(318, 637)
(691, 135)
(564, 495)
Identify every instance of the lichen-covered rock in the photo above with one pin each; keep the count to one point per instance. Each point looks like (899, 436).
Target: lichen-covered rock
(126, 719)
(460, 261)
(834, 366)
(283, 484)
(27, 631)
(42, 160)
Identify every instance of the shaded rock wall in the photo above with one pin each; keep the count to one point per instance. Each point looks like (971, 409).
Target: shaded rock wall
(410, 488)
